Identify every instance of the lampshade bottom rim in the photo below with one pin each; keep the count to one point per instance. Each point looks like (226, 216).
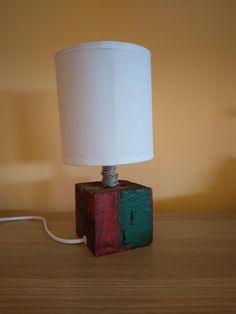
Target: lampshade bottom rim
(81, 162)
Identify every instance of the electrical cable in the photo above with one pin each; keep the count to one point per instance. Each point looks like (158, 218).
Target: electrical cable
(58, 239)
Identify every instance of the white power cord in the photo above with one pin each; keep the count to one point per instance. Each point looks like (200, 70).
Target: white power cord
(65, 241)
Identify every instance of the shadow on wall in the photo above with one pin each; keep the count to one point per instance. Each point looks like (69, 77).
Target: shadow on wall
(231, 112)
(28, 127)
(32, 176)
(31, 171)
(220, 196)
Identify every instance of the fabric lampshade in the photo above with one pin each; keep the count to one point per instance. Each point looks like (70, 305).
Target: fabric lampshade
(105, 103)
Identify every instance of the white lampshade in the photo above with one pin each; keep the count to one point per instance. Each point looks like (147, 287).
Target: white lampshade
(105, 103)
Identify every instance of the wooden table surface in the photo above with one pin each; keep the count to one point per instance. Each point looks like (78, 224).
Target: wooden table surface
(189, 268)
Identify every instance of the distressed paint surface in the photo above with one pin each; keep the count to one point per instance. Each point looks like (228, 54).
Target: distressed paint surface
(114, 219)
(136, 217)
(107, 230)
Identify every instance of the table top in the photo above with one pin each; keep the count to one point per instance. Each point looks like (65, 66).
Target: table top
(189, 268)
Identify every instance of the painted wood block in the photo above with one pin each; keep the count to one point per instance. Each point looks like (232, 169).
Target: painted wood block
(114, 219)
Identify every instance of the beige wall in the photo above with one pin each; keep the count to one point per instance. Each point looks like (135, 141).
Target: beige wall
(193, 44)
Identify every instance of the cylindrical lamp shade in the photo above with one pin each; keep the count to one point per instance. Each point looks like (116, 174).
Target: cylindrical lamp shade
(105, 103)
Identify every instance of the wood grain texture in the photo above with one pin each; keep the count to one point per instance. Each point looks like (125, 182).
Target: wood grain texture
(189, 268)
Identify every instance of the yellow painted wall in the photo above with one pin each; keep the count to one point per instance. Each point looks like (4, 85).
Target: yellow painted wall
(193, 45)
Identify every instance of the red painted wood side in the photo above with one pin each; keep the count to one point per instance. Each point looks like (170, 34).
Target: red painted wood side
(107, 234)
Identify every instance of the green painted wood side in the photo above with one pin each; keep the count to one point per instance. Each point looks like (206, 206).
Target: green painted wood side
(136, 216)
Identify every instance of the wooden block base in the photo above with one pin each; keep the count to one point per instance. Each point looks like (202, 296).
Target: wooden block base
(114, 219)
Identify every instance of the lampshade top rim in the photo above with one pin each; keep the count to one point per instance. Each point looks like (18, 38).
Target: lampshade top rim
(113, 45)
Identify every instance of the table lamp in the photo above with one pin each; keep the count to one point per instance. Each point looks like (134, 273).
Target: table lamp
(105, 109)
